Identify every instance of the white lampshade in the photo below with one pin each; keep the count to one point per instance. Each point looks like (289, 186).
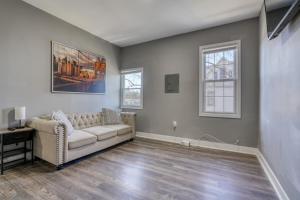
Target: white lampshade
(20, 113)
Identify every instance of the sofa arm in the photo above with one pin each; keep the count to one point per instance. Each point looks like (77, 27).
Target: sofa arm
(48, 126)
(50, 140)
(129, 118)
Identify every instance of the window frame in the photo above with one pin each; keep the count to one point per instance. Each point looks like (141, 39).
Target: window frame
(129, 71)
(238, 79)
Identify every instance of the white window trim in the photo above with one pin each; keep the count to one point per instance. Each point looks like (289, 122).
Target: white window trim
(219, 46)
(128, 71)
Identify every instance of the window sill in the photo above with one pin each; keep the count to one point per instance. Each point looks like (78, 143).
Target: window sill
(132, 108)
(221, 115)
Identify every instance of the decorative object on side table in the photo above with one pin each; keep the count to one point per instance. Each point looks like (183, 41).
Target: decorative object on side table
(8, 138)
(20, 114)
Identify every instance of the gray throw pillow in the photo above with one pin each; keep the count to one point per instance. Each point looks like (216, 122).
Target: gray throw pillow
(111, 116)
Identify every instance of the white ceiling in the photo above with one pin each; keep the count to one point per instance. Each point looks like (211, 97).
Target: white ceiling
(128, 22)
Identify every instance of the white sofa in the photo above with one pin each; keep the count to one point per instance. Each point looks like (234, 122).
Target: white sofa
(53, 145)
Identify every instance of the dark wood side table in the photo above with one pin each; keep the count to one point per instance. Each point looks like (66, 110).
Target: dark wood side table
(17, 136)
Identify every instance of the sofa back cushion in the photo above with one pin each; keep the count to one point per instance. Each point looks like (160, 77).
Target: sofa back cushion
(85, 120)
(111, 116)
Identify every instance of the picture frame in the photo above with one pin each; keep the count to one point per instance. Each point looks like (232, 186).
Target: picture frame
(77, 71)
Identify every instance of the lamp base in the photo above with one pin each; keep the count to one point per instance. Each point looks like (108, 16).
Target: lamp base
(20, 125)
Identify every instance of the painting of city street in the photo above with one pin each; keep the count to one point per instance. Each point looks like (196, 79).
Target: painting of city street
(75, 71)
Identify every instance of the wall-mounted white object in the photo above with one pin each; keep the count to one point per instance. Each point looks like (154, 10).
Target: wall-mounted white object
(20, 114)
(174, 124)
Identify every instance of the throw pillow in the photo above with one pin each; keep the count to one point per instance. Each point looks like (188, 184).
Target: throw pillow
(62, 118)
(111, 116)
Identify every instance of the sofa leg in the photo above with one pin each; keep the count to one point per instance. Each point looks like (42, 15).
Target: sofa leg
(59, 167)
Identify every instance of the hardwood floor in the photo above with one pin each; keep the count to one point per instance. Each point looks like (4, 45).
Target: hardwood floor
(143, 169)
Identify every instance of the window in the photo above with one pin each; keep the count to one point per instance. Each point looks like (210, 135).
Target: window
(220, 80)
(132, 88)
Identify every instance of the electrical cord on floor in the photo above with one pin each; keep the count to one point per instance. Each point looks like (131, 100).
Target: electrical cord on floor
(212, 137)
(215, 139)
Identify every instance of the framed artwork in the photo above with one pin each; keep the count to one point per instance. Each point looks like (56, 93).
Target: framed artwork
(76, 71)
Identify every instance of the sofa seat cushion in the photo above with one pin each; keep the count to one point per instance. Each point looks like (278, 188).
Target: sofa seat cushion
(101, 132)
(80, 138)
(121, 128)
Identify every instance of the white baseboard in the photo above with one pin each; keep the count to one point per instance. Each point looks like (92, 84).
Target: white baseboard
(199, 143)
(225, 147)
(272, 177)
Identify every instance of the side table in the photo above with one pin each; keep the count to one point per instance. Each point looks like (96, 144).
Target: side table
(16, 136)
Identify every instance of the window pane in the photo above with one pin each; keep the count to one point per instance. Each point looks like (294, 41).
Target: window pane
(133, 80)
(229, 88)
(219, 57)
(209, 58)
(229, 56)
(219, 104)
(219, 89)
(229, 104)
(229, 71)
(132, 97)
(209, 66)
(209, 72)
(219, 72)
(209, 89)
(209, 104)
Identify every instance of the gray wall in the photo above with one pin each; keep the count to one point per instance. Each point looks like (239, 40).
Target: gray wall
(179, 54)
(280, 104)
(25, 62)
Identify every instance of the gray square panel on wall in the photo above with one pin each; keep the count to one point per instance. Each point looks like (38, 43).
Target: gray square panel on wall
(172, 83)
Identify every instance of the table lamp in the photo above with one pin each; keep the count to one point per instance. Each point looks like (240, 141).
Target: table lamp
(20, 114)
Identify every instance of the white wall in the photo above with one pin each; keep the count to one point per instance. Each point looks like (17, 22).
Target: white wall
(280, 104)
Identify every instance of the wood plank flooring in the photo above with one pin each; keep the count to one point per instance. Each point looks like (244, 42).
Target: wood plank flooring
(143, 169)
